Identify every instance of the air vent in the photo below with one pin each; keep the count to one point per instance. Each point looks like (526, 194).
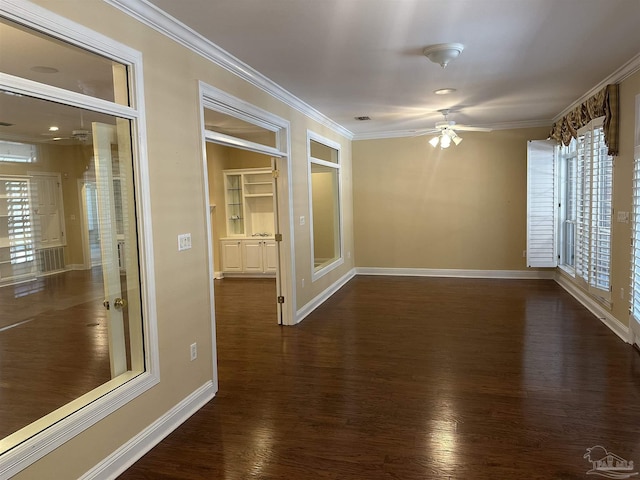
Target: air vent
(363, 118)
(5, 124)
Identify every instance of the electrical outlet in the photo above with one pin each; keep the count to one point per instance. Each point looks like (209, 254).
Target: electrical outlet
(622, 293)
(302, 220)
(302, 282)
(524, 254)
(184, 241)
(194, 351)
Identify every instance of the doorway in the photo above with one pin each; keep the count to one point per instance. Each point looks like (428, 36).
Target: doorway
(244, 222)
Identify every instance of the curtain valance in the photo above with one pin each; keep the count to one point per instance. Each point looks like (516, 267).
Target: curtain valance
(604, 103)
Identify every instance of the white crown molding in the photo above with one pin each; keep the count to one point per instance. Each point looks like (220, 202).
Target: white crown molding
(155, 18)
(621, 74)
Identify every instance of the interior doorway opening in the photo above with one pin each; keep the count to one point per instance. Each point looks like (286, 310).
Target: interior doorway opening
(244, 222)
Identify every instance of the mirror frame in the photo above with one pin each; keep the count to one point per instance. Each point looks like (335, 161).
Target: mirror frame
(89, 409)
(339, 260)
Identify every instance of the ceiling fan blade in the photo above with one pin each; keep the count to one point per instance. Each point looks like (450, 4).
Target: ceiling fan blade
(465, 128)
(432, 131)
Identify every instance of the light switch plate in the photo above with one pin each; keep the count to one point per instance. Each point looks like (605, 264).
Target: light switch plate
(184, 241)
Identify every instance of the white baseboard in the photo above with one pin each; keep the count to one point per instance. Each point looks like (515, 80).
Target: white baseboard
(218, 275)
(456, 273)
(134, 449)
(594, 307)
(78, 266)
(322, 297)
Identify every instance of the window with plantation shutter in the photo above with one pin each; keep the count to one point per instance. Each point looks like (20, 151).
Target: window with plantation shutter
(574, 184)
(635, 242)
(568, 169)
(594, 210)
(541, 204)
(16, 229)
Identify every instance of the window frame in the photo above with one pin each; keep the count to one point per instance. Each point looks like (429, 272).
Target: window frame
(567, 160)
(43, 437)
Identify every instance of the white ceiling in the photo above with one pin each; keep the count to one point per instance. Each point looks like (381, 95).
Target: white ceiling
(524, 61)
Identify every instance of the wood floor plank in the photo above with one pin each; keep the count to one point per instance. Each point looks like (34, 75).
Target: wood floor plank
(409, 378)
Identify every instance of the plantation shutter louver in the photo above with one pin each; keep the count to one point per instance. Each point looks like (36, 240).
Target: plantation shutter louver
(601, 207)
(582, 207)
(541, 204)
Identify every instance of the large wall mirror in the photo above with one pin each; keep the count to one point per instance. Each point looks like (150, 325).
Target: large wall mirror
(71, 326)
(324, 195)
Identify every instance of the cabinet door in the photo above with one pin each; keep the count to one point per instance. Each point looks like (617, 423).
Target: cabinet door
(252, 256)
(231, 256)
(270, 256)
(234, 200)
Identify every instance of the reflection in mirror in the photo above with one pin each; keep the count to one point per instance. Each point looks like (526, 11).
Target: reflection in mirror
(70, 301)
(41, 58)
(324, 171)
(222, 123)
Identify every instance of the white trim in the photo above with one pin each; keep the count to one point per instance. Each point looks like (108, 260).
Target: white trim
(77, 266)
(105, 399)
(621, 74)
(323, 296)
(209, 236)
(594, 307)
(339, 260)
(22, 86)
(236, 142)
(162, 22)
(457, 273)
(126, 455)
(45, 442)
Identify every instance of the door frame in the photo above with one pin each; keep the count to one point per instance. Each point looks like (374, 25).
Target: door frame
(215, 99)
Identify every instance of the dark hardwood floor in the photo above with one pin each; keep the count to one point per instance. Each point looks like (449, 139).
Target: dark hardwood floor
(53, 345)
(409, 378)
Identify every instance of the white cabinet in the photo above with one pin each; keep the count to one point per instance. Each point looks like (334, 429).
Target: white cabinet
(231, 251)
(249, 256)
(259, 256)
(249, 247)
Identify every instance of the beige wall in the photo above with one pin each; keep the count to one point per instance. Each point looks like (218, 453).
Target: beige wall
(178, 205)
(622, 201)
(416, 206)
(465, 207)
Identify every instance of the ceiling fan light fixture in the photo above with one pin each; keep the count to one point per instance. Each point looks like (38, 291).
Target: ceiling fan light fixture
(434, 141)
(445, 141)
(443, 53)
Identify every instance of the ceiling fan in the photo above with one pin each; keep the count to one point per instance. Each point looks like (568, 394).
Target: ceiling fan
(79, 135)
(447, 131)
